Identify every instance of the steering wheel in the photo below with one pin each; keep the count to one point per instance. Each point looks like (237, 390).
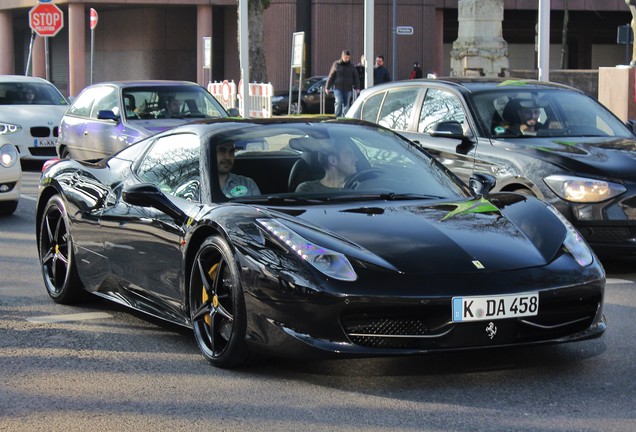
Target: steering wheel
(354, 181)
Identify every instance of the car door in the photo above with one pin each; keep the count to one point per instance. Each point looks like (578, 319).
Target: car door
(143, 244)
(442, 105)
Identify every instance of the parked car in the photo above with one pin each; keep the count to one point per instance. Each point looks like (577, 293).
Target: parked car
(580, 157)
(403, 259)
(30, 112)
(312, 98)
(110, 116)
(10, 178)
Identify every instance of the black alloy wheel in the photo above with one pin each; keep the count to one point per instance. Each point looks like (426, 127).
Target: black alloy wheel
(56, 254)
(217, 306)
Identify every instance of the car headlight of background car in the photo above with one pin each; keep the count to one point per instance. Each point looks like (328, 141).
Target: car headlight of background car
(277, 98)
(583, 190)
(331, 263)
(8, 128)
(8, 155)
(574, 243)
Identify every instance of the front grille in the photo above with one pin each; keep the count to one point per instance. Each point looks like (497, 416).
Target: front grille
(42, 151)
(606, 234)
(40, 132)
(56, 131)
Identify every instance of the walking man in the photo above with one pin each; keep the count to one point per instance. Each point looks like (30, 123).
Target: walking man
(343, 76)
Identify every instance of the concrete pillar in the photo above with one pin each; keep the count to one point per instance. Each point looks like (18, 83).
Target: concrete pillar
(204, 29)
(438, 65)
(76, 48)
(7, 58)
(480, 49)
(617, 92)
(39, 57)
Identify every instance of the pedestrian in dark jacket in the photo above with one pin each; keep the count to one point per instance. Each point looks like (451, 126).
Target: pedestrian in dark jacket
(343, 76)
(416, 72)
(380, 73)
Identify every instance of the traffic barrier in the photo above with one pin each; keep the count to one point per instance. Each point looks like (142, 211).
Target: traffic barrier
(229, 95)
(224, 92)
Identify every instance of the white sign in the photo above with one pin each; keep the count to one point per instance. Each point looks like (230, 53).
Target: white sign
(207, 52)
(404, 30)
(298, 43)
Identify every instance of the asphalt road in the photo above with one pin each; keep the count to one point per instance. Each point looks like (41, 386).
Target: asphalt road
(99, 367)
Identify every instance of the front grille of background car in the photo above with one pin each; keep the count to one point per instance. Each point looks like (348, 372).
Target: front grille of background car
(606, 234)
(40, 131)
(42, 151)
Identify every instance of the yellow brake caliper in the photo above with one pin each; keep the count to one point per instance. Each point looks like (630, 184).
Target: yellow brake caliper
(204, 296)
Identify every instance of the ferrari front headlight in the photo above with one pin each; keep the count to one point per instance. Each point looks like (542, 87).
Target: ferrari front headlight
(331, 263)
(583, 190)
(8, 128)
(8, 155)
(574, 242)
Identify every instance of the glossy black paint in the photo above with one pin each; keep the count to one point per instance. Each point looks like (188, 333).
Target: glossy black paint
(136, 246)
(522, 163)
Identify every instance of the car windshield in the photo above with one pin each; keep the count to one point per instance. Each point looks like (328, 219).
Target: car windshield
(508, 113)
(27, 93)
(158, 102)
(308, 83)
(327, 161)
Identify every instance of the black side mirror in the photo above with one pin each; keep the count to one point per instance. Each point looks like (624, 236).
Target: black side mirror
(149, 195)
(233, 112)
(449, 129)
(481, 183)
(107, 115)
(631, 124)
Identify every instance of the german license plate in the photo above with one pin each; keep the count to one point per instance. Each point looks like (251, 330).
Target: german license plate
(481, 308)
(44, 142)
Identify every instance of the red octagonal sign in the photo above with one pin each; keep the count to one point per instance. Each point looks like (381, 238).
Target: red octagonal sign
(46, 19)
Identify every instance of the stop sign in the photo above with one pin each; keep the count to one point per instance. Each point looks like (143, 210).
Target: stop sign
(46, 19)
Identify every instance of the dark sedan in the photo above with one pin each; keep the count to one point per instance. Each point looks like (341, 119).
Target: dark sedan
(540, 139)
(403, 258)
(313, 99)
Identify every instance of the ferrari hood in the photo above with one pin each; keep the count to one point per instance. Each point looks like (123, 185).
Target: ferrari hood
(464, 236)
(599, 156)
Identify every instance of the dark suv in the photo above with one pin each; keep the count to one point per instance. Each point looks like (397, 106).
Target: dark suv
(535, 138)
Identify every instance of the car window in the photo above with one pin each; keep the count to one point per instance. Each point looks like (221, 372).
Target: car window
(371, 107)
(37, 93)
(105, 100)
(397, 108)
(440, 105)
(172, 163)
(151, 102)
(559, 113)
(82, 105)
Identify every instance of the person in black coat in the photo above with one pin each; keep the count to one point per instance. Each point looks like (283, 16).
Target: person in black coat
(380, 73)
(343, 77)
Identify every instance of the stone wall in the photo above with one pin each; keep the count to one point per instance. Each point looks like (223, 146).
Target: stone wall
(584, 80)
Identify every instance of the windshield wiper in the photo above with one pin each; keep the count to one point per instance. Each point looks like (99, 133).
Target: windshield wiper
(387, 196)
(279, 199)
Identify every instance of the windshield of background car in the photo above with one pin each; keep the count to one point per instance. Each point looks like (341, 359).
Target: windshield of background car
(24, 93)
(555, 113)
(292, 160)
(158, 102)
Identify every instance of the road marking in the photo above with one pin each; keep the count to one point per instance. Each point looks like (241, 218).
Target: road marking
(610, 281)
(70, 317)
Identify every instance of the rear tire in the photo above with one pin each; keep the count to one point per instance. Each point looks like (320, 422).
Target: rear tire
(57, 259)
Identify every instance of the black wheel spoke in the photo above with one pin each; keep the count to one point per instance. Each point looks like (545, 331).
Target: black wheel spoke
(201, 312)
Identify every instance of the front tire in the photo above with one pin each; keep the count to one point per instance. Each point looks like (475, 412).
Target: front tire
(217, 306)
(57, 259)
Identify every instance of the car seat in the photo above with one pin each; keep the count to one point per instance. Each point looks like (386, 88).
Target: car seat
(307, 168)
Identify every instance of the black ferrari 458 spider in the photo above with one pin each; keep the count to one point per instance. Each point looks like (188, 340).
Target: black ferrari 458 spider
(297, 238)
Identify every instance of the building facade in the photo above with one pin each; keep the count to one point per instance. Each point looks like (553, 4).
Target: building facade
(163, 39)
